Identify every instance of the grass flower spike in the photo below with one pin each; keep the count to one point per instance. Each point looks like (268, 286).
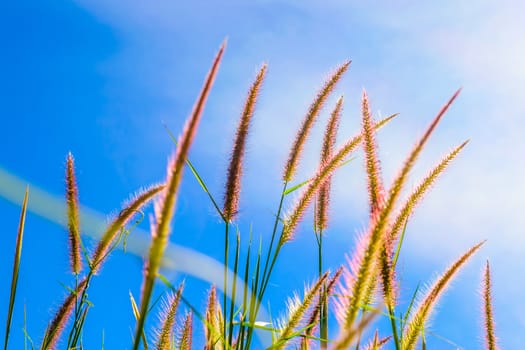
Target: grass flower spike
(72, 216)
(309, 120)
(488, 317)
(319, 180)
(323, 197)
(104, 245)
(57, 325)
(373, 171)
(165, 336)
(233, 184)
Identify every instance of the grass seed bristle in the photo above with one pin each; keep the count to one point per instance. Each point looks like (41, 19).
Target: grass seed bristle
(165, 335)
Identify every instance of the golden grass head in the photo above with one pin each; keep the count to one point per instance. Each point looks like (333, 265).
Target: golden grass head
(72, 216)
(233, 182)
(309, 120)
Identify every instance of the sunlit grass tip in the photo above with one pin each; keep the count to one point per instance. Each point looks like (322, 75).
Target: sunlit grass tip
(233, 182)
(72, 216)
(309, 120)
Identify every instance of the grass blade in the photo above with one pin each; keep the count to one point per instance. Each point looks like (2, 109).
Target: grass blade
(16, 268)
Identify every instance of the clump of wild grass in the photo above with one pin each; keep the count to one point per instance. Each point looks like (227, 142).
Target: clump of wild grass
(359, 292)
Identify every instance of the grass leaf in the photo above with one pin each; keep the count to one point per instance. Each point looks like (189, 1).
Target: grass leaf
(16, 268)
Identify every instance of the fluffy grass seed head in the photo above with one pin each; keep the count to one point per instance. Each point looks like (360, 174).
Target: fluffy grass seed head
(373, 170)
(130, 209)
(72, 216)
(323, 173)
(57, 325)
(427, 304)
(491, 342)
(309, 120)
(323, 197)
(233, 182)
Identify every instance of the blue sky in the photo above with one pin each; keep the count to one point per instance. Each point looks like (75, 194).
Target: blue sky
(98, 78)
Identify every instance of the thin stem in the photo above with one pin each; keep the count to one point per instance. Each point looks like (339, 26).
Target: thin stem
(274, 231)
(226, 249)
(391, 313)
(234, 288)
